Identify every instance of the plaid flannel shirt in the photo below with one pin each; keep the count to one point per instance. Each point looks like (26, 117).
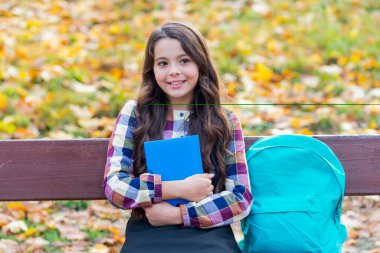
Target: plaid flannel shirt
(125, 191)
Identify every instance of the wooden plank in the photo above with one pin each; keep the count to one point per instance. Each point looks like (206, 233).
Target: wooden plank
(52, 169)
(73, 169)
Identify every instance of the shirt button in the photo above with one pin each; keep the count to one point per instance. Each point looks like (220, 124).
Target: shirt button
(181, 114)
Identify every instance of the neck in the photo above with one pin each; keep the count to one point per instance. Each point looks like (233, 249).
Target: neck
(180, 107)
(181, 104)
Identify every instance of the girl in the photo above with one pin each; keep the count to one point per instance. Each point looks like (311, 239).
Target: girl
(178, 71)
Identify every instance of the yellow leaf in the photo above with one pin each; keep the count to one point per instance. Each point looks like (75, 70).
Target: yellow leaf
(97, 134)
(34, 72)
(21, 131)
(56, 9)
(371, 64)
(30, 232)
(262, 73)
(298, 87)
(356, 57)
(328, 88)
(16, 206)
(63, 28)
(7, 128)
(266, 93)
(231, 89)
(119, 239)
(138, 45)
(295, 123)
(51, 226)
(286, 74)
(33, 23)
(305, 131)
(23, 75)
(105, 43)
(361, 79)
(3, 102)
(74, 51)
(244, 48)
(342, 61)
(21, 52)
(316, 58)
(116, 73)
(308, 119)
(114, 29)
(95, 63)
(99, 248)
(273, 46)
(22, 92)
(281, 20)
(2, 50)
(114, 230)
(372, 124)
(353, 34)
(50, 97)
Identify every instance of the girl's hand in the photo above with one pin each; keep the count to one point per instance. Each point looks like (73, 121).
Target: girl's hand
(197, 187)
(163, 214)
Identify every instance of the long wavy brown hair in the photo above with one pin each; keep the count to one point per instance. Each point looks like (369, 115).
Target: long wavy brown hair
(210, 122)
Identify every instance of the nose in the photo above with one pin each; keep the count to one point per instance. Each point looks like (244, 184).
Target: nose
(174, 71)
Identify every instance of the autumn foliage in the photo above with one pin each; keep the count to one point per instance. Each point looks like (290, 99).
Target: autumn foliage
(67, 67)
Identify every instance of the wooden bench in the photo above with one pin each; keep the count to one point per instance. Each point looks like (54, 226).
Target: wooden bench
(73, 169)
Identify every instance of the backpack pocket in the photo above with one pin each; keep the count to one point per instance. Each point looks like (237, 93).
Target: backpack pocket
(281, 228)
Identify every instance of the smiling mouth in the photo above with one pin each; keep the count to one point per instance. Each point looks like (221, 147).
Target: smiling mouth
(176, 83)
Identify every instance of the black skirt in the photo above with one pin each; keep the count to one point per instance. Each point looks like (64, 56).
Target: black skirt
(141, 237)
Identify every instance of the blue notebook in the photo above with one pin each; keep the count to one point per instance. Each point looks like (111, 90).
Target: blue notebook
(174, 159)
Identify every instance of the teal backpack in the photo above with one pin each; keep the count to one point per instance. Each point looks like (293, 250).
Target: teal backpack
(298, 185)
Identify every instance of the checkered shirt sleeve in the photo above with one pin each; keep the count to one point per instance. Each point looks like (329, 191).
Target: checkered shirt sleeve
(235, 202)
(121, 188)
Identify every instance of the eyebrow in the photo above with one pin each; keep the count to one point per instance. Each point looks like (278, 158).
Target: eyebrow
(164, 58)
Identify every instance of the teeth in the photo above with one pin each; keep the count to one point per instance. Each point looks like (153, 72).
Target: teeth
(176, 83)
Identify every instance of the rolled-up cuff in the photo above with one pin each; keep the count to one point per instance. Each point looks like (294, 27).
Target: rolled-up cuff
(157, 189)
(154, 186)
(185, 215)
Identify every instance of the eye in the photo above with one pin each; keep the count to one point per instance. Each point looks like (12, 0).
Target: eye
(162, 63)
(185, 60)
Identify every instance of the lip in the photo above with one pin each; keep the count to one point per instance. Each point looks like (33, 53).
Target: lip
(176, 82)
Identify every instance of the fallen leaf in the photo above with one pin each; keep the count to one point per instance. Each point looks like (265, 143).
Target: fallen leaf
(15, 227)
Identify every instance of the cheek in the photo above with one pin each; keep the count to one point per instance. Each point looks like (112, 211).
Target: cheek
(193, 71)
(158, 74)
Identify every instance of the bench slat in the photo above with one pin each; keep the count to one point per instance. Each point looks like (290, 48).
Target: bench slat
(73, 169)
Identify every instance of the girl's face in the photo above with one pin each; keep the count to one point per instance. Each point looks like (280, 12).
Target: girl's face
(175, 72)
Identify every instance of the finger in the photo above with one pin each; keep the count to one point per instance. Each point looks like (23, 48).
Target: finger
(207, 175)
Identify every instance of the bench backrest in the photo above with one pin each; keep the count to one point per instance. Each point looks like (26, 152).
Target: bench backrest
(73, 169)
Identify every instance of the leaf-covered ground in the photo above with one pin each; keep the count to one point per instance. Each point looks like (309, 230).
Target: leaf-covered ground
(69, 226)
(97, 227)
(67, 67)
